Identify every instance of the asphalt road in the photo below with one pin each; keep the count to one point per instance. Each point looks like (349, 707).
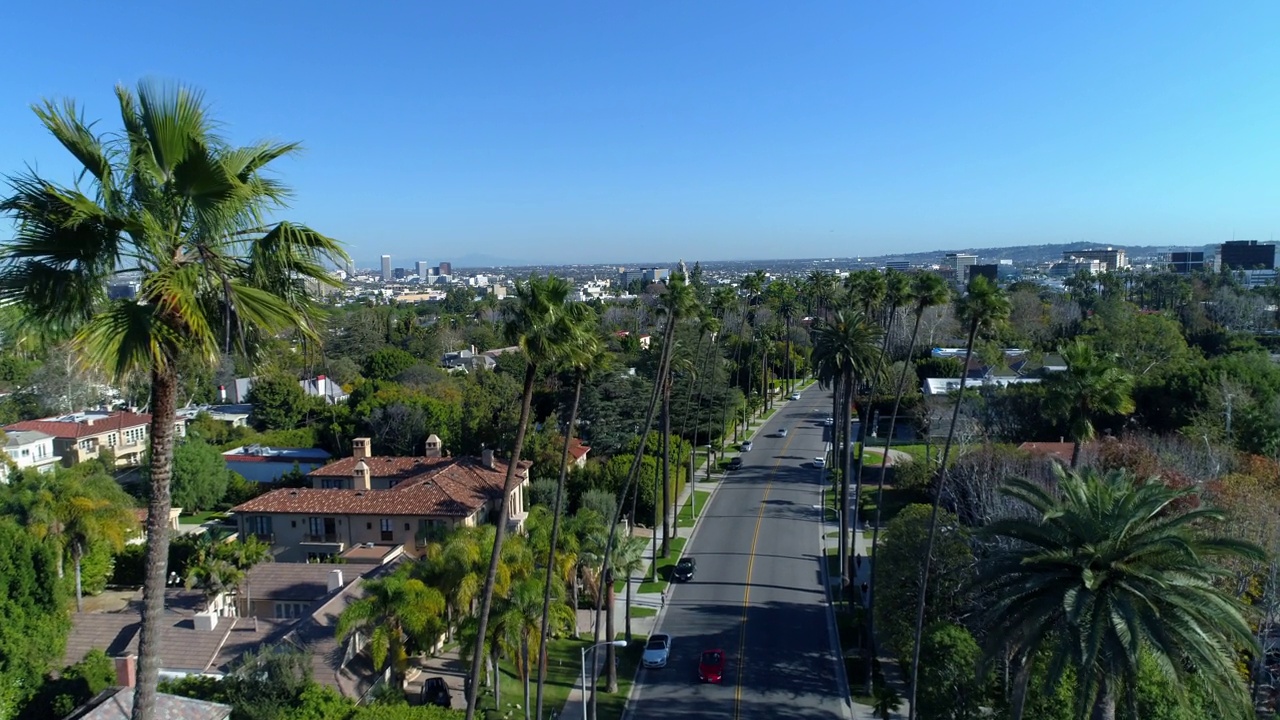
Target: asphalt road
(758, 591)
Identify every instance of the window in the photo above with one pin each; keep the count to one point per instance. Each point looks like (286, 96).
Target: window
(387, 533)
(290, 610)
(316, 526)
(334, 484)
(111, 439)
(259, 525)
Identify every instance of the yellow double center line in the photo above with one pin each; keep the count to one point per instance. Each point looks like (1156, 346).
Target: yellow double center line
(746, 595)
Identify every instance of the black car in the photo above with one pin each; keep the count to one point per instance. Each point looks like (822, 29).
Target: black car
(685, 569)
(735, 463)
(436, 692)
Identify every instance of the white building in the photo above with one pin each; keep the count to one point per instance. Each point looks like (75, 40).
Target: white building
(28, 449)
(386, 268)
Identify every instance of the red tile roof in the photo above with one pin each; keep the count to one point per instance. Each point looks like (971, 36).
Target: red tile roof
(441, 487)
(72, 430)
(577, 450)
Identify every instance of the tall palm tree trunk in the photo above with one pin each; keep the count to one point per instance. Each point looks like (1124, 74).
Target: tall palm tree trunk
(789, 366)
(628, 611)
(933, 524)
(77, 554)
(524, 652)
(551, 552)
(500, 535)
(612, 672)
(837, 461)
(844, 419)
(666, 470)
(1104, 708)
(164, 394)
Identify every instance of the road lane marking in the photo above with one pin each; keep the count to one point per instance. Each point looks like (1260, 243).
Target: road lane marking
(746, 594)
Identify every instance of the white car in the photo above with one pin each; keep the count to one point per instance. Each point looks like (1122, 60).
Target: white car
(795, 396)
(819, 462)
(829, 421)
(656, 651)
(782, 432)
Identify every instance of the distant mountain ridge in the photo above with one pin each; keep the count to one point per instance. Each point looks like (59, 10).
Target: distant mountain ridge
(1035, 253)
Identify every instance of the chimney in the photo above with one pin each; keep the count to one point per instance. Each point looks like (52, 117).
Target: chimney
(432, 447)
(361, 448)
(222, 393)
(335, 580)
(206, 621)
(486, 458)
(127, 670)
(360, 477)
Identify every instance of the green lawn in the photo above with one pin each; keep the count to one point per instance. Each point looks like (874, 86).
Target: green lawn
(768, 413)
(641, 612)
(564, 663)
(200, 518)
(686, 516)
(611, 707)
(665, 566)
(894, 501)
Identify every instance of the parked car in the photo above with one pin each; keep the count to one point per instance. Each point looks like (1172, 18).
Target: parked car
(746, 446)
(436, 692)
(795, 396)
(735, 463)
(685, 569)
(711, 666)
(657, 651)
(819, 462)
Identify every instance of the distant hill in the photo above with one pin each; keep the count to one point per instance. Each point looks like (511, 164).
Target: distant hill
(1037, 253)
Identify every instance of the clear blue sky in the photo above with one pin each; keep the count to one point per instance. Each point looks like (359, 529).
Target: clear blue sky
(608, 131)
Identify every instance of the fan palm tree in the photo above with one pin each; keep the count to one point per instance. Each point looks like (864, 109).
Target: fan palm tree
(786, 305)
(525, 640)
(985, 305)
(584, 361)
(545, 324)
(927, 290)
(1112, 567)
(676, 303)
(171, 201)
(456, 567)
(628, 559)
(395, 610)
(1092, 386)
(211, 572)
(866, 287)
(845, 351)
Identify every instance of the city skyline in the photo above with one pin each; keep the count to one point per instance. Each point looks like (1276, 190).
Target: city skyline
(560, 133)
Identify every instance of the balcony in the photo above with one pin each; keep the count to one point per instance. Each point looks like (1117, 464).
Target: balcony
(322, 538)
(268, 538)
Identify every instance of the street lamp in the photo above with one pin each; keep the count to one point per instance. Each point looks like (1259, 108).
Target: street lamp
(615, 643)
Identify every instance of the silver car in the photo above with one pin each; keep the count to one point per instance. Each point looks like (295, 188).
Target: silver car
(656, 651)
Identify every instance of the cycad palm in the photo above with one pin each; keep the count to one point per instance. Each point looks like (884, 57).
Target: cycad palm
(171, 201)
(1091, 387)
(545, 324)
(984, 306)
(845, 351)
(1109, 569)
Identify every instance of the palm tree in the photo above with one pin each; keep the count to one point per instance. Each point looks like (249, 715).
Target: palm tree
(845, 350)
(985, 305)
(394, 610)
(628, 559)
(785, 305)
(545, 324)
(584, 361)
(1111, 567)
(1091, 387)
(525, 640)
(455, 567)
(211, 572)
(170, 200)
(866, 287)
(676, 303)
(927, 290)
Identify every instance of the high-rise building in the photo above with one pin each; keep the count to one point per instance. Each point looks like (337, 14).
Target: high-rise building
(1246, 255)
(990, 272)
(899, 265)
(351, 268)
(1185, 263)
(446, 268)
(422, 270)
(399, 273)
(386, 268)
(1111, 258)
(957, 265)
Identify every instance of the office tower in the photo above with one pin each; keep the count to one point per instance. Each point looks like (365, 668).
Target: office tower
(1185, 263)
(386, 268)
(1111, 258)
(446, 268)
(958, 265)
(422, 270)
(1247, 255)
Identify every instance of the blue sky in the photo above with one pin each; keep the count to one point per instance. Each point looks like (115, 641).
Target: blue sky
(625, 132)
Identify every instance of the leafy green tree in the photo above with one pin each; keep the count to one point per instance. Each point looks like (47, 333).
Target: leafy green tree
(901, 557)
(200, 476)
(984, 306)
(279, 402)
(34, 631)
(386, 363)
(543, 322)
(1090, 388)
(950, 687)
(1109, 569)
(394, 609)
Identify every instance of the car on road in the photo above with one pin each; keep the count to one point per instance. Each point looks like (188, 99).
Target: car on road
(746, 446)
(829, 421)
(436, 692)
(735, 463)
(657, 651)
(685, 569)
(795, 396)
(819, 462)
(711, 666)
(782, 432)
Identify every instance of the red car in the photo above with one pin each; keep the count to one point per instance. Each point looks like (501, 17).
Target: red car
(711, 666)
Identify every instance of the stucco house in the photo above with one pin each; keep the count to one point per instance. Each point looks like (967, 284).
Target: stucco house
(28, 449)
(370, 500)
(82, 436)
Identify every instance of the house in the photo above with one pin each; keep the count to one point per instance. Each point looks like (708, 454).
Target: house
(288, 591)
(391, 501)
(237, 392)
(116, 703)
(934, 387)
(28, 449)
(82, 436)
(232, 415)
(578, 453)
(467, 359)
(260, 463)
